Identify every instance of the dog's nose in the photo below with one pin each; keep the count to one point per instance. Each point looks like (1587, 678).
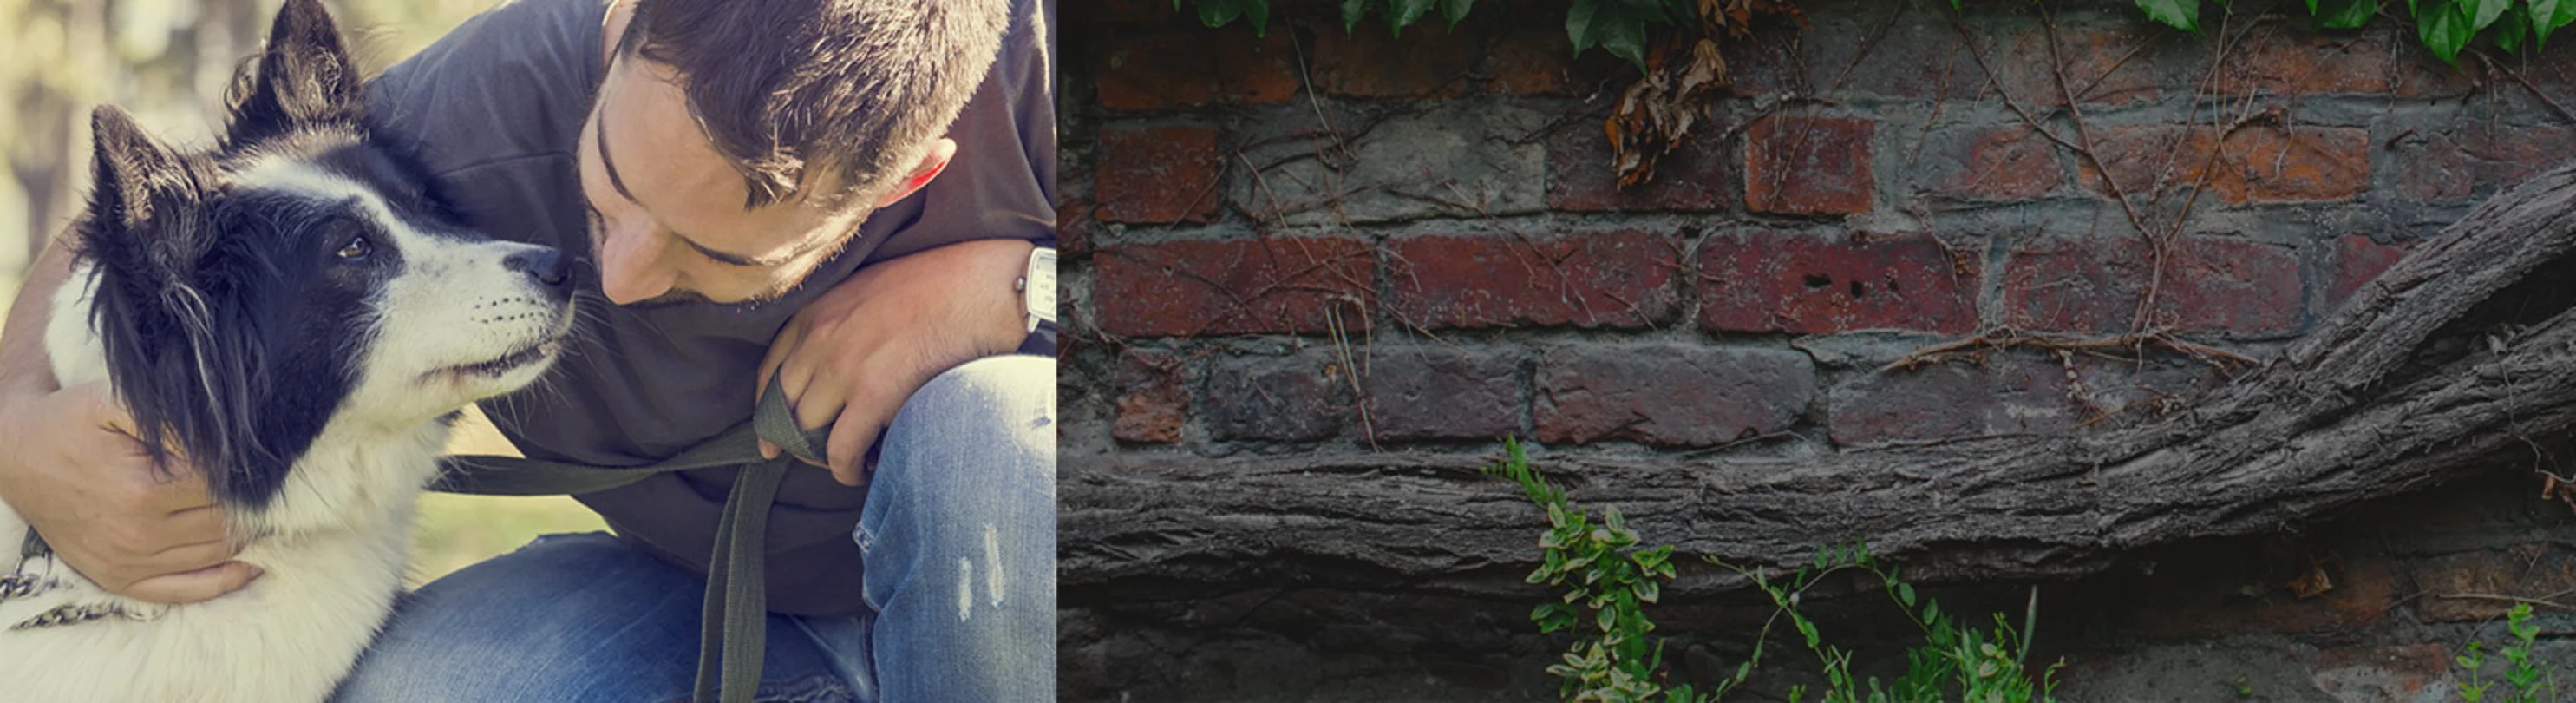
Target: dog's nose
(548, 266)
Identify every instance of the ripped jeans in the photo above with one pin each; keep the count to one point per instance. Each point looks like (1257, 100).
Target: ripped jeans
(959, 533)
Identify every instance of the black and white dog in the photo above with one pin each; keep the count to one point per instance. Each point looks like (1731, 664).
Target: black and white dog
(294, 312)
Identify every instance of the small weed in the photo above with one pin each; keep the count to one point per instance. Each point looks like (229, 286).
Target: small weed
(1608, 580)
(2526, 680)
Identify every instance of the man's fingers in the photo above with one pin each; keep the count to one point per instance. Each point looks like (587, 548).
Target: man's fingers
(189, 557)
(193, 586)
(779, 348)
(851, 436)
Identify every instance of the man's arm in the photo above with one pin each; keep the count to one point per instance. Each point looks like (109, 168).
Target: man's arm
(79, 477)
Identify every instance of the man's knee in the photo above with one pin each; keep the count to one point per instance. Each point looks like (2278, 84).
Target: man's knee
(1004, 404)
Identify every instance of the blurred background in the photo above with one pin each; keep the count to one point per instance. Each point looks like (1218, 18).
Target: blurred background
(168, 62)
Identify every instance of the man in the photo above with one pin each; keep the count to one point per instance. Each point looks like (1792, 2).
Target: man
(764, 187)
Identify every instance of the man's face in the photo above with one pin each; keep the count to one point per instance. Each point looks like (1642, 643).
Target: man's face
(666, 210)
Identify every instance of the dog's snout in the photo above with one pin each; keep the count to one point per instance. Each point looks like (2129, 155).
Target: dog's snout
(548, 266)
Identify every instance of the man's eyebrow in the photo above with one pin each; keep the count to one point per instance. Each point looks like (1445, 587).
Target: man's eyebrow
(600, 120)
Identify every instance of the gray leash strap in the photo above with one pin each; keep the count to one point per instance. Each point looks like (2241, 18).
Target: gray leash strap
(735, 615)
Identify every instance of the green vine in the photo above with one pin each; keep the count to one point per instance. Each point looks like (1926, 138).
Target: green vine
(1620, 26)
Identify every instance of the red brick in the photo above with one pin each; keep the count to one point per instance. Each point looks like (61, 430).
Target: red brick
(1238, 286)
(1427, 60)
(2257, 164)
(1607, 279)
(1443, 393)
(1195, 66)
(1767, 281)
(2006, 394)
(2526, 571)
(1151, 401)
(2210, 285)
(1581, 179)
(1669, 394)
(2357, 261)
(2004, 164)
(1808, 165)
(1157, 175)
(2305, 62)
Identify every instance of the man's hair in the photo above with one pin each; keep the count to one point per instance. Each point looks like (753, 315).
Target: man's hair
(850, 91)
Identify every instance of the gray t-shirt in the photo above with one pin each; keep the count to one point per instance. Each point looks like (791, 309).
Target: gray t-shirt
(494, 110)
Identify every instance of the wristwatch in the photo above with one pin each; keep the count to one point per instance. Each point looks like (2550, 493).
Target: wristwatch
(1037, 301)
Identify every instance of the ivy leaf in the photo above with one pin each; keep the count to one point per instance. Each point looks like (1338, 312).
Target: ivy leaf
(1456, 10)
(2179, 14)
(2348, 14)
(2445, 28)
(1623, 35)
(2548, 16)
(1403, 13)
(2510, 31)
(1216, 13)
(2483, 12)
(1353, 10)
(1578, 23)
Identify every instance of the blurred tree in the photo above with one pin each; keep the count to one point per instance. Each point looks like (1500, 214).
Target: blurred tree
(167, 61)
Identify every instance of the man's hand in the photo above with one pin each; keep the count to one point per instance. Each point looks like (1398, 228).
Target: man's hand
(77, 474)
(852, 357)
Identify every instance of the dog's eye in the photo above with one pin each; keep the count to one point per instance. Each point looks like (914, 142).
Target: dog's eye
(356, 250)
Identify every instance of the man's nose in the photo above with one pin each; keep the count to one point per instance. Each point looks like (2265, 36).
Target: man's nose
(629, 268)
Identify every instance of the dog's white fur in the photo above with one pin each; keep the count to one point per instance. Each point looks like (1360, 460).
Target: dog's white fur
(333, 544)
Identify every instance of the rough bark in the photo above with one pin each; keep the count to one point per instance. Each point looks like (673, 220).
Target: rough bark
(2461, 356)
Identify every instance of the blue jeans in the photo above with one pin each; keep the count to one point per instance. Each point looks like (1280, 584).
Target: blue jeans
(959, 537)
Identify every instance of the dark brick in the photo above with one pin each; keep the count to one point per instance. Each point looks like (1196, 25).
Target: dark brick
(1152, 403)
(1529, 60)
(1768, 281)
(2258, 164)
(1157, 175)
(2410, 672)
(1580, 177)
(1998, 164)
(1194, 67)
(2002, 395)
(2108, 66)
(1073, 227)
(2358, 259)
(1443, 393)
(2534, 570)
(1669, 394)
(1235, 286)
(1278, 399)
(2210, 286)
(1808, 165)
(1607, 279)
(2257, 596)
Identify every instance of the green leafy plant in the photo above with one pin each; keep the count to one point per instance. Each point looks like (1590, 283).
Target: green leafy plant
(2526, 679)
(1608, 579)
(2444, 26)
(1616, 26)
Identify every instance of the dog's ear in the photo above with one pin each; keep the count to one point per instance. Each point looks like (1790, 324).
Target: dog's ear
(138, 179)
(304, 78)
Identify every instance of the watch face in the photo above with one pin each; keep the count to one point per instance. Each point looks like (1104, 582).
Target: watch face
(1041, 293)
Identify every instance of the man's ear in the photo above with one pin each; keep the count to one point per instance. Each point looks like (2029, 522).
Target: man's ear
(932, 162)
(304, 78)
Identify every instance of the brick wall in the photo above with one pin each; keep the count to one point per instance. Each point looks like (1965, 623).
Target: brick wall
(1319, 242)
